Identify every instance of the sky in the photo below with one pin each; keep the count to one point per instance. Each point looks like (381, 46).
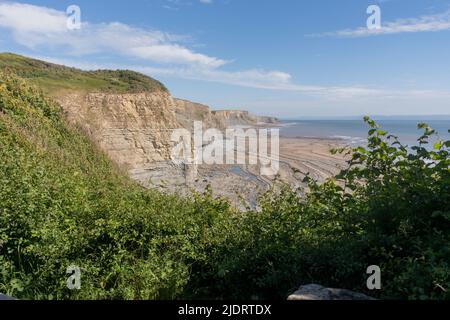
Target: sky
(286, 58)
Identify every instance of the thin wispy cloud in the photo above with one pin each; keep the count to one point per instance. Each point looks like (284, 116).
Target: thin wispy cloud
(425, 23)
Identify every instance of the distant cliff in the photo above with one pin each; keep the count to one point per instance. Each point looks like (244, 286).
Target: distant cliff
(187, 112)
(236, 117)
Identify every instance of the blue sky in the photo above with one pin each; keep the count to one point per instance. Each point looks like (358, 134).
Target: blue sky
(286, 58)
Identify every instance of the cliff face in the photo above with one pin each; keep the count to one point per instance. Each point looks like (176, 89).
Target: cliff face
(187, 112)
(241, 118)
(134, 129)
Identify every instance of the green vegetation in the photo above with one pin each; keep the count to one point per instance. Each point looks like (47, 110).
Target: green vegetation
(62, 203)
(53, 78)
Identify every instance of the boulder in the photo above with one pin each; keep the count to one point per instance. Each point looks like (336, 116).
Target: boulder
(3, 297)
(318, 292)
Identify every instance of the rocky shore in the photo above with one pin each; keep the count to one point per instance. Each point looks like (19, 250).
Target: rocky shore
(241, 184)
(298, 156)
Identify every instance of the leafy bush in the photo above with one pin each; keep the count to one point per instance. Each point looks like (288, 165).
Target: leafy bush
(390, 208)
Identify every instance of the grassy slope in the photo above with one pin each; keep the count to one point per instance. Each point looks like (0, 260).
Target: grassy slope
(53, 78)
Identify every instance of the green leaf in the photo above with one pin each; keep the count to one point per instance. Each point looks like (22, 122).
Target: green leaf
(438, 145)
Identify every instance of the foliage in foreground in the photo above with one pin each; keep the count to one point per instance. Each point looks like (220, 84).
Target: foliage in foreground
(63, 203)
(390, 208)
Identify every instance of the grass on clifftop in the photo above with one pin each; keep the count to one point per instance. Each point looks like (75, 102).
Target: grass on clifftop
(53, 78)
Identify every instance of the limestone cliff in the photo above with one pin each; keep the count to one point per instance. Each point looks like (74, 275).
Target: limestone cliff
(134, 129)
(241, 118)
(187, 112)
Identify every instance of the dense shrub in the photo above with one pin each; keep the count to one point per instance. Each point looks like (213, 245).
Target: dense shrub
(62, 203)
(390, 208)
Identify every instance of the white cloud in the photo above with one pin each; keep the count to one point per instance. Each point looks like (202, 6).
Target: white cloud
(28, 18)
(427, 23)
(35, 27)
(206, 1)
(170, 53)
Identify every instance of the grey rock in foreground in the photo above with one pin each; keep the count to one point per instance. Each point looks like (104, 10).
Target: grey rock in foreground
(318, 292)
(3, 297)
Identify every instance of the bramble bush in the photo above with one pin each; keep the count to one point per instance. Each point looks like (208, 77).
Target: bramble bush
(62, 203)
(390, 207)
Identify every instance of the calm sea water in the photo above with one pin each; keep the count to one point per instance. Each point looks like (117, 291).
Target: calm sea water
(355, 131)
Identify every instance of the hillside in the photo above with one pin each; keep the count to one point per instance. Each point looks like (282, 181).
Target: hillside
(53, 78)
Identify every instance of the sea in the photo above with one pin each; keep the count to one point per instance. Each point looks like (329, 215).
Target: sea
(355, 132)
